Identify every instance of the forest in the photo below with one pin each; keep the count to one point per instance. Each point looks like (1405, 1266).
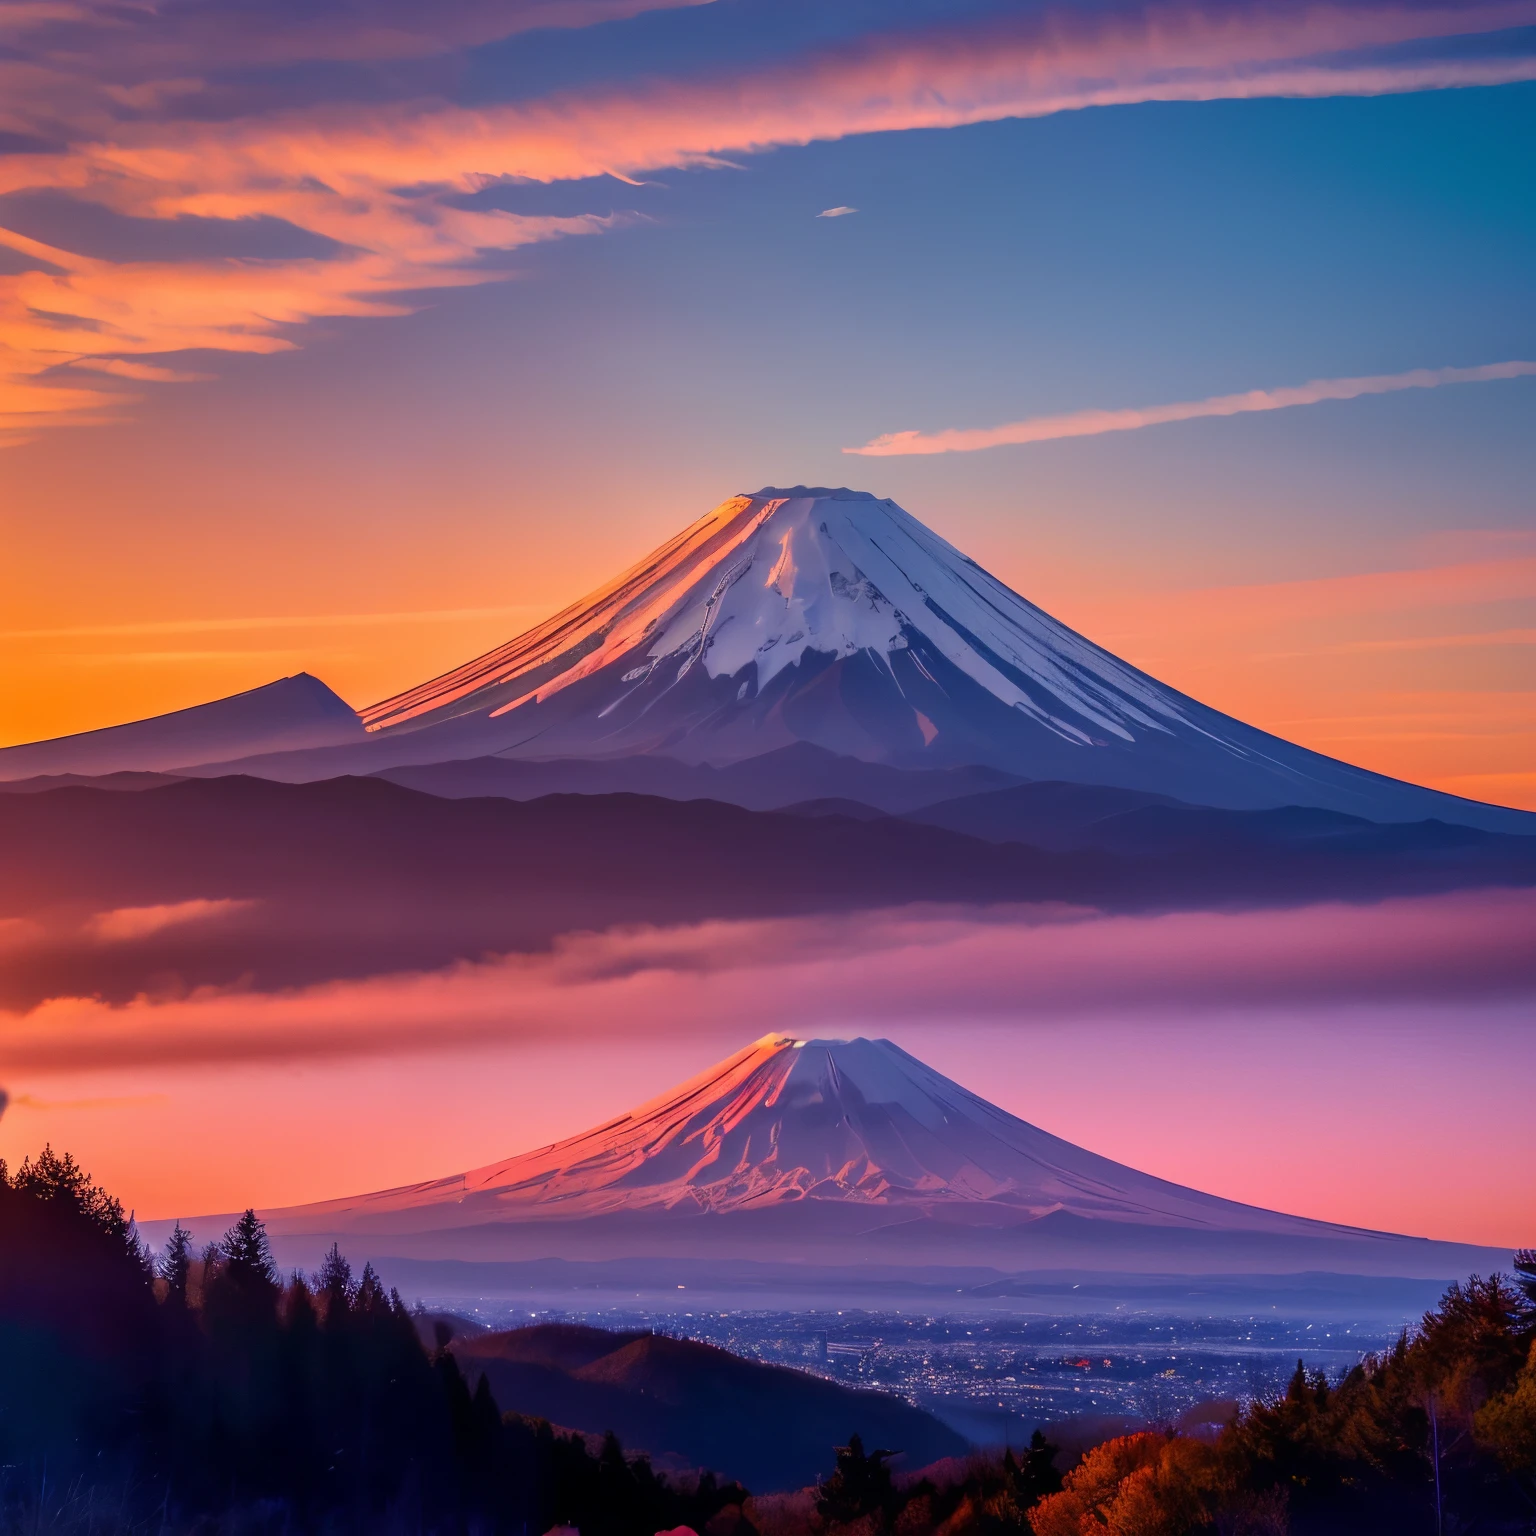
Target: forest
(204, 1392)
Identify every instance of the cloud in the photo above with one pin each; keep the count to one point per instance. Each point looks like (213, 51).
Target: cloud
(148, 41)
(830, 975)
(127, 923)
(1045, 429)
(382, 178)
(149, 373)
(836, 213)
(113, 1101)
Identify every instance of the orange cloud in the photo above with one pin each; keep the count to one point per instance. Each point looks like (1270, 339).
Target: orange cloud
(149, 373)
(1045, 429)
(384, 183)
(124, 923)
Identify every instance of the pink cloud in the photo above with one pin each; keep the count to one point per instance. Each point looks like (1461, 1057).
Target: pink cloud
(829, 975)
(148, 373)
(1045, 429)
(126, 923)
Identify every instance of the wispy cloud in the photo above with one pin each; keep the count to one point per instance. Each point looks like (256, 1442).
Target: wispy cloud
(122, 924)
(835, 975)
(839, 212)
(114, 1101)
(148, 373)
(382, 182)
(1045, 429)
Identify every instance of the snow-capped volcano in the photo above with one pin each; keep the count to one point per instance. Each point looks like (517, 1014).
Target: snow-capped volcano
(806, 617)
(836, 1152)
(785, 1121)
(834, 617)
(764, 581)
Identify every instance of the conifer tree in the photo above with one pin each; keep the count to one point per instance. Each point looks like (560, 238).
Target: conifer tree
(248, 1255)
(176, 1265)
(860, 1486)
(335, 1288)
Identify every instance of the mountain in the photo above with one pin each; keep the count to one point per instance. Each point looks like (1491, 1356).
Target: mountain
(767, 1426)
(293, 714)
(831, 1152)
(810, 615)
(1062, 817)
(784, 776)
(1045, 814)
(271, 885)
(835, 617)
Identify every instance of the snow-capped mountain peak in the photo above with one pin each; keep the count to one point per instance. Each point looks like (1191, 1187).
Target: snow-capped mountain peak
(764, 579)
(798, 616)
(786, 1122)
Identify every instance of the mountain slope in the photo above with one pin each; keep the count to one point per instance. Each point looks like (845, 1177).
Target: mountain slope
(784, 1121)
(831, 1152)
(768, 1426)
(294, 713)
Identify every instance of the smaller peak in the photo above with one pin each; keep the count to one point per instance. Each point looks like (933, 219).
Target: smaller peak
(811, 493)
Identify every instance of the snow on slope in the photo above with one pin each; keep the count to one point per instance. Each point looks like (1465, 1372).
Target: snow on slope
(786, 1122)
(764, 579)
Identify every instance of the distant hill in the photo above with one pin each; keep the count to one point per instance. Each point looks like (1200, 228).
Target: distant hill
(293, 714)
(787, 775)
(349, 877)
(768, 1426)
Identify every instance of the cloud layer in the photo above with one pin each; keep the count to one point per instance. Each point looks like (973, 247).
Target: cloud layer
(1045, 429)
(193, 119)
(831, 975)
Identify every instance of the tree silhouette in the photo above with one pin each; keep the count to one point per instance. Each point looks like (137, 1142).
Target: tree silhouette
(860, 1486)
(176, 1265)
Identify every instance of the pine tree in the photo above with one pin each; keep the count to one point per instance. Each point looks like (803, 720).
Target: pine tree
(248, 1255)
(860, 1486)
(335, 1288)
(61, 1182)
(1036, 1476)
(176, 1266)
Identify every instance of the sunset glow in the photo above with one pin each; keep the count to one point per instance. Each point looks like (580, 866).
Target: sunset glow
(385, 344)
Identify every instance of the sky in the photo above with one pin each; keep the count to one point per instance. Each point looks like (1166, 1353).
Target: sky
(352, 336)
